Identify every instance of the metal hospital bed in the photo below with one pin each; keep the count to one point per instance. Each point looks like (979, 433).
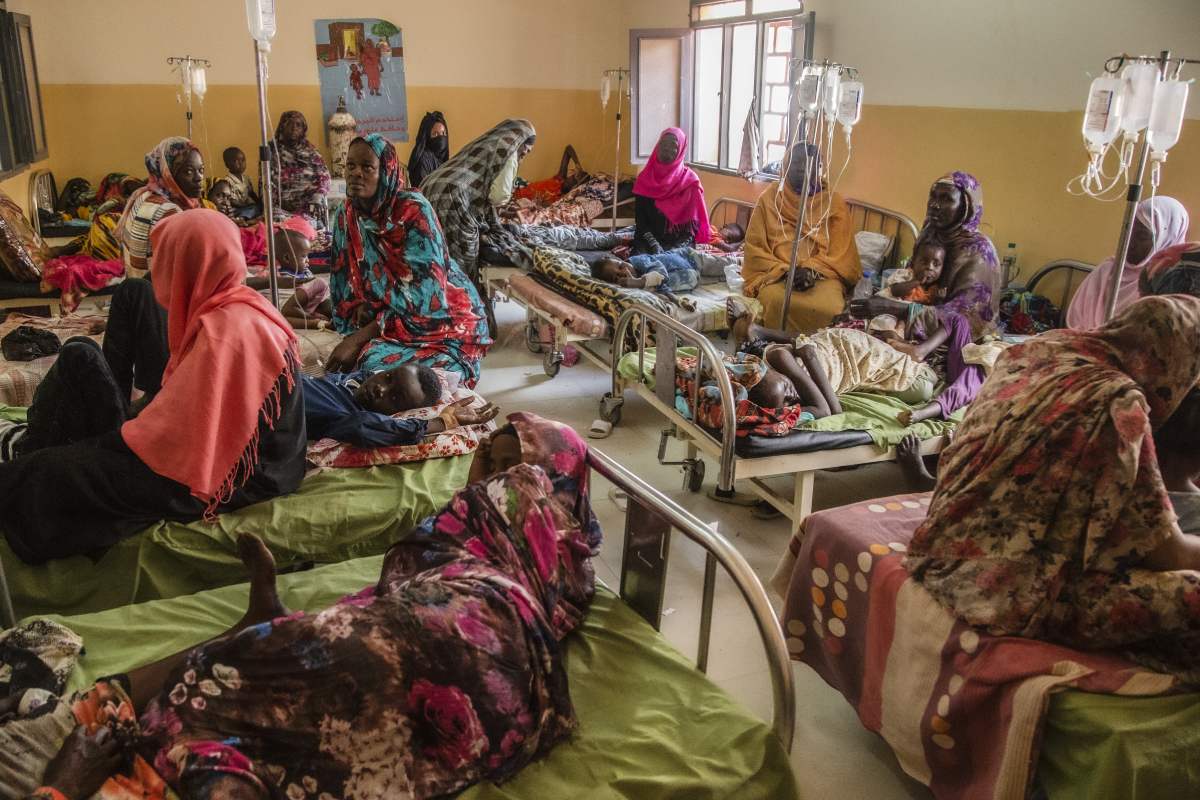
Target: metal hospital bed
(650, 721)
(753, 459)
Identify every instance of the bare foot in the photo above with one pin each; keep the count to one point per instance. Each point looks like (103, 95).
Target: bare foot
(84, 762)
(911, 416)
(264, 604)
(908, 455)
(905, 419)
(739, 319)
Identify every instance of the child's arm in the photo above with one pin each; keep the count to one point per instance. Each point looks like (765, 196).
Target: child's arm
(920, 351)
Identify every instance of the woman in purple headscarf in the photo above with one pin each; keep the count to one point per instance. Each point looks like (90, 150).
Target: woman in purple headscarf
(970, 280)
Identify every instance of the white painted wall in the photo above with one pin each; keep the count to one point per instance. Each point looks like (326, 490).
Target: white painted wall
(1004, 54)
(541, 44)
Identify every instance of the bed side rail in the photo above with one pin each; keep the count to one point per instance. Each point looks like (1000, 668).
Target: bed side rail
(731, 209)
(1071, 267)
(869, 217)
(668, 328)
(718, 550)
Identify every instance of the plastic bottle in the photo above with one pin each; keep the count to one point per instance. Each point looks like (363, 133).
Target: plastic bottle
(833, 80)
(199, 81)
(850, 97)
(808, 94)
(866, 285)
(1166, 118)
(1008, 264)
(260, 18)
(1102, 116)
(1139, 79)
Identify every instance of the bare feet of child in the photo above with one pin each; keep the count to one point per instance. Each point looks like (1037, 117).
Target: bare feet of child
(908, 455)
(740, 320)
(264, 604)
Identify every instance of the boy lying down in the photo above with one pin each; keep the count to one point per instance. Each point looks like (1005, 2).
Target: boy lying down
(671, 271)
(813, 370)
(357, 407)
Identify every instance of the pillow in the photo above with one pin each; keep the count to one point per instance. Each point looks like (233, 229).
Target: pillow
(872, 248)
(22, 251)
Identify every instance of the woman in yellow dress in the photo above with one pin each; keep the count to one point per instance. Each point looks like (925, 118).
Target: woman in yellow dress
(827, 267)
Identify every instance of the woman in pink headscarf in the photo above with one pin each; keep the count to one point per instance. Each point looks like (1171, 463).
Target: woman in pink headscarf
(669, 205)
(1161, 223)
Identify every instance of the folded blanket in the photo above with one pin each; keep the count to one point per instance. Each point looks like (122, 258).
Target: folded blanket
(961, 709)
(456, 442)
(75, 276)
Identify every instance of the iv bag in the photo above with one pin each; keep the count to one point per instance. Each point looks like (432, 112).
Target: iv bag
(849, 109)
(1166, 119)
(1102, 116)
(260, 17)
(605, 90)
(1140, 80)
(808, 94)
(199, 81)
(832, 81)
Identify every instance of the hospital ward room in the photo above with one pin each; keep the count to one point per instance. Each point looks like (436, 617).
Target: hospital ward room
(605, 399)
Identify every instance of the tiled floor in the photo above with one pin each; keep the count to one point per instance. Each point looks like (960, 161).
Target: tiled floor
(833, 756)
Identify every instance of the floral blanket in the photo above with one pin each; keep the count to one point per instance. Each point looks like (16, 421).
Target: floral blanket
(961, 709)
(580, 206)
(457, 442)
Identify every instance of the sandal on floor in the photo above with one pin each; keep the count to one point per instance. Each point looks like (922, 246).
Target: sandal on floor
(599, 429)
(764, 510)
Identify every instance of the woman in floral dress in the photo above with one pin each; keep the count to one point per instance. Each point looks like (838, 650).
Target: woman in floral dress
(398, 296)
(1050, 518)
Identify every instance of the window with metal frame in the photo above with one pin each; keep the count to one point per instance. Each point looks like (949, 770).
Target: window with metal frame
(742, 57)
(22, 121)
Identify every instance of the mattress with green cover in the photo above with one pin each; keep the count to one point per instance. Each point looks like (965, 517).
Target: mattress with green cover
(652, 727)
(338, 514)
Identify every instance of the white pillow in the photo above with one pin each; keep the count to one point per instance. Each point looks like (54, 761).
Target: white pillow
(872, 248)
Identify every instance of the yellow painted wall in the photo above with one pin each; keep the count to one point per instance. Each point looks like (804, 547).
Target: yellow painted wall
(94, 129)
(1023, 159)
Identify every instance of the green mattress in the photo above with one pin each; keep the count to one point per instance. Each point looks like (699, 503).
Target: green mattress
(338, 514)
(651, 726)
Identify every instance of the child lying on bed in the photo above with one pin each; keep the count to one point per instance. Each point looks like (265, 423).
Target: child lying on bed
(357, 407)
(669, 272)
(729, 237)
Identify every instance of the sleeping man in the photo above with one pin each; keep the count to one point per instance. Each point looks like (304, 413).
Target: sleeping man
(356, 408)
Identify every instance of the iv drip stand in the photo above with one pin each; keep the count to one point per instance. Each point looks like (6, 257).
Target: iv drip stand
(185, 65)
(802, 218)
(266, 164)
(1132, 198)
(620, 73)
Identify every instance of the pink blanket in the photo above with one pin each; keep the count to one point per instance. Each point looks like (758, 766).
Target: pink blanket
(961, 709)
(75, 276)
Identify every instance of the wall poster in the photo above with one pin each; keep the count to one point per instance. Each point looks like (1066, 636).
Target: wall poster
(362, 61)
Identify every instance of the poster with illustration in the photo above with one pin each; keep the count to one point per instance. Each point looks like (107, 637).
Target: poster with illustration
(362, 61)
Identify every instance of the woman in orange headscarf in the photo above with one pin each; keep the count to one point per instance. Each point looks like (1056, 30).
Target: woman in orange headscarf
(224, 430)
(827, 266)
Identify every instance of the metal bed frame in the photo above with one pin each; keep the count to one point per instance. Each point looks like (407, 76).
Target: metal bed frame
(802, 466)
(647, 537)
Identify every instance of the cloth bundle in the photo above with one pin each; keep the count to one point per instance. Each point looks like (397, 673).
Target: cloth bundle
(26, 343)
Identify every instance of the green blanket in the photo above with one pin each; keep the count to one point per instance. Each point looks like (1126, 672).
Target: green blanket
(651, 726)
(1106, 747)
(13, 413)
(861, 411)
(338, 514)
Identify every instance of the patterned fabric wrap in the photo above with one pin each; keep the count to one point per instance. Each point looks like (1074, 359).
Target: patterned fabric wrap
(159, 198)
(23, 254)
(300, 170)
(569, 275)
(745, 371)
(391, 265)
(580, 206)
(101, 241)
(1050, 496)
(458, 191)
(458, 442)
(445, 673)
(971, 276)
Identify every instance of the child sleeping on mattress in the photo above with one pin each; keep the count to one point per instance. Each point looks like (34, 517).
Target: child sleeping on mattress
(357, 407)
(672, 271)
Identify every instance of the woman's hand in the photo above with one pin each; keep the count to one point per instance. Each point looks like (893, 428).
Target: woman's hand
(345, 356)
(805, 279)
(84, 763)
(867, 307)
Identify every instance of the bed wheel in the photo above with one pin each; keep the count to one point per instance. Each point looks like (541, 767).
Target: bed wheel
(533, 338)
(610, 408)
(551, 362)
(693, 475)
